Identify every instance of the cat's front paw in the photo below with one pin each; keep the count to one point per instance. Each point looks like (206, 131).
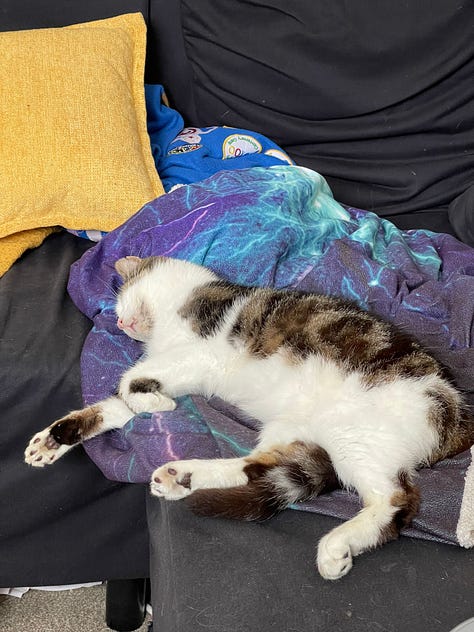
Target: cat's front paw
(149, 403)
(334, 556)
(50, 444)
(143, 395)
(172, 481)
(43, 449)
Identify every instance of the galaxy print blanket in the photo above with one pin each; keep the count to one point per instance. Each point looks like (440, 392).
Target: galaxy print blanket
(281, 227)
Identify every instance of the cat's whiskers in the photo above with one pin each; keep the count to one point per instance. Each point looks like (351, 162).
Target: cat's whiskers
(110, 289)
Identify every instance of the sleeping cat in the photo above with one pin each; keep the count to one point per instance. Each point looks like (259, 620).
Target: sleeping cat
(343, 399)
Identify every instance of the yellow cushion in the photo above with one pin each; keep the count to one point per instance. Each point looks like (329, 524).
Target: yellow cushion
(74, 148)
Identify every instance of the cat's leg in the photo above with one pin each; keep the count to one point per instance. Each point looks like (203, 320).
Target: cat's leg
(178, 479)
(48, 445)
(381, 519)
(153, 383)
(150, 385)
(250, 488)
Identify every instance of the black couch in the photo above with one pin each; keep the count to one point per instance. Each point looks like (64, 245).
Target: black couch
(379, 98)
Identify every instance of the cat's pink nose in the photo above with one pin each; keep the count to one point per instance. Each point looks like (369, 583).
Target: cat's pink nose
(121, 324)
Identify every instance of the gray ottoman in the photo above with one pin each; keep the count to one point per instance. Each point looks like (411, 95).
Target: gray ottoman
(226, 576)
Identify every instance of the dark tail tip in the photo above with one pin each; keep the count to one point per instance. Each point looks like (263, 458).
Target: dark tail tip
(469, 423)
(255, 501)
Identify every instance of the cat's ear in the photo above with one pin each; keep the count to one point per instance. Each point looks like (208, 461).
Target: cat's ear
(127, 266)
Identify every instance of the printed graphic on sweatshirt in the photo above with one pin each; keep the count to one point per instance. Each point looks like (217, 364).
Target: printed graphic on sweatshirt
(184, 149)
(237, 145)
(278, 153)
(193, 134)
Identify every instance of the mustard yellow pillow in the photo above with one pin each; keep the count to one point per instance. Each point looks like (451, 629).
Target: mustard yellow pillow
(74, 148)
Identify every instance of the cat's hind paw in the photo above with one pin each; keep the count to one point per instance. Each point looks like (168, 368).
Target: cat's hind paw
(334, 557)
(172, 481)
(43, 449)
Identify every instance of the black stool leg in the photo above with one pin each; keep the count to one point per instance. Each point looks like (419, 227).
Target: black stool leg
(125, 604)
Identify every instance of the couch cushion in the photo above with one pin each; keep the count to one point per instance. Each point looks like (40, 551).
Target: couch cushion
(75, 148)
(377, 96)
(66, 524)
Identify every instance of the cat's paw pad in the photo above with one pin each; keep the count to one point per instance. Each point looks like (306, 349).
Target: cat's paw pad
(43, 449)
(149, 403)
(334, 557)
(172, 481)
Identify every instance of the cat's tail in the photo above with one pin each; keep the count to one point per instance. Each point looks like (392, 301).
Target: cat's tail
(468, 426)
(463, 436)
(297, 474)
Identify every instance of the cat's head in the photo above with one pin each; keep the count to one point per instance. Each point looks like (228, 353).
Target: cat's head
(133, 308)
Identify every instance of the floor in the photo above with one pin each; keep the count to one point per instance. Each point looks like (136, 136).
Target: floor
(79, 610)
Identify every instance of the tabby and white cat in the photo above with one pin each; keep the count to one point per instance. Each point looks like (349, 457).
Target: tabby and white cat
(343, 399)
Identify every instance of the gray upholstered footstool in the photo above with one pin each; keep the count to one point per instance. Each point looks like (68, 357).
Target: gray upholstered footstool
(226, 576)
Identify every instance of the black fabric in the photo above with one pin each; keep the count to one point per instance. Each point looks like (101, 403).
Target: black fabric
(461, 214)
(436, 220)
(375, 95)
(67, 523)
(223, 575)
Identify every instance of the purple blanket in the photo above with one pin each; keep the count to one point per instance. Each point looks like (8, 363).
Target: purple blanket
(279, 227)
